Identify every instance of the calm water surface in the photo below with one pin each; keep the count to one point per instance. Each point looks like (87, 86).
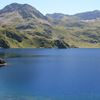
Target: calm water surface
(50, 74)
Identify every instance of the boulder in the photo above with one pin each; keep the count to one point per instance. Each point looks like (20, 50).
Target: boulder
(2, 62)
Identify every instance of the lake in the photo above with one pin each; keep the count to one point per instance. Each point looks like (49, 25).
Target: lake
(50, 74)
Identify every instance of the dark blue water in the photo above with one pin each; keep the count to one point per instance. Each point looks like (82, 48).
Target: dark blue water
(55, 74)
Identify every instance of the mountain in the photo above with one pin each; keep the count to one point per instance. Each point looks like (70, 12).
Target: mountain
(25, 10)
(23, 26)
(16, 13)
(79, 30)
(89, 15)
(56, 16)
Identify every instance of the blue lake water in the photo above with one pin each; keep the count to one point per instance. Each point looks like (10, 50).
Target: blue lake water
(50, 74)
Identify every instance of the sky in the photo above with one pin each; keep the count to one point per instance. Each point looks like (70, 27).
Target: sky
(58, 6)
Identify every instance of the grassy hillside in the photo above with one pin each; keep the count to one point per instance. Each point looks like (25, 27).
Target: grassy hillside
(76, 32)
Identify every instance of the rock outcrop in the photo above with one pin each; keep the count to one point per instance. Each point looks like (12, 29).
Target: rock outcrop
(2, 62)
(61, 44)
(4, 43)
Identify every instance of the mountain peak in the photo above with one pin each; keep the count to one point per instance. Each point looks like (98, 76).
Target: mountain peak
(12, 7)
(25, 10)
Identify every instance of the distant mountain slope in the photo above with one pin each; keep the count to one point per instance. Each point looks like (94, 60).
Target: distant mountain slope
(56, 16)
(89, 15)
(79, 30)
